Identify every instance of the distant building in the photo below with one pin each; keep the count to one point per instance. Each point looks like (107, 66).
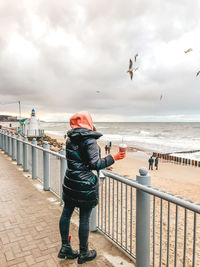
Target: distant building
(7, 118)
(31, 127)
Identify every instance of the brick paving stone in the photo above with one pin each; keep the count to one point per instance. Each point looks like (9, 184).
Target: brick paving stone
(29, 260)
(40, 264)
(51, 263)
(9, 255)
(15, 261)
(23, 264)
(5, 240)
(36, 252)
(3, 261)
(28, 237)
(23, 254)
(43, 258)
(16, 249)
(29, 247)
(49, 251)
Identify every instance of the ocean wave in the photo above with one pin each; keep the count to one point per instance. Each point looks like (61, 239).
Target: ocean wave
(167, 131)
(142, 132)
(158, 135)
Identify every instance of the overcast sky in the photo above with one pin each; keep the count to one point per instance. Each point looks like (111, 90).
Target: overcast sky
(55, 55)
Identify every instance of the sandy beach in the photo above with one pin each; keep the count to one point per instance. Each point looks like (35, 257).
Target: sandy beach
(177, 179)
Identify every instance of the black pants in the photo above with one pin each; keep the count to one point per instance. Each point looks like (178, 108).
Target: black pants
(150, 166)
(64, 224)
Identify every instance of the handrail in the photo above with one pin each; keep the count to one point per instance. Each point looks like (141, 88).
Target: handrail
(156, 192)
(40, 148)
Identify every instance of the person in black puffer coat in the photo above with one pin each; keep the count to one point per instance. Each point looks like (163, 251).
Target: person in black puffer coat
(81, 185)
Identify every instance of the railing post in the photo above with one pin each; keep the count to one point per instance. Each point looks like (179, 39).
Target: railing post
(9, 145)
(143, 220)
(34, 159)
(93, 216)
(6, 143)
(19, 159)
(25, 155)
(1, 139)
(63, 167)
(46, 167)
(13, 147)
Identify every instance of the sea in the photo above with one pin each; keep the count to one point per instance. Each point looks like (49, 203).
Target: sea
(163, 137)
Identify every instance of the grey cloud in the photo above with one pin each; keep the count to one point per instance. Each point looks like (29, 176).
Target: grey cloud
(107, 34)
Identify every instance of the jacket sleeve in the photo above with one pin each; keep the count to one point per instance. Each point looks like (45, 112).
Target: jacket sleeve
(91, 152)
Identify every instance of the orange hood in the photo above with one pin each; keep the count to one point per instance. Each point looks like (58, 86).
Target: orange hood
(81, 119)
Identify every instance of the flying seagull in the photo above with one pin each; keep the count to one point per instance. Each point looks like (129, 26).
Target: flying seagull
(161, 96)
(198, 73)
(130, 70)
(188, 50)
(136, 55)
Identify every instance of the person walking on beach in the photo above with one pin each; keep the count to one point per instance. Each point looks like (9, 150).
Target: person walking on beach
(106, 149)
(81, 185)
(110, 144)
(151, 160)
(156, 163)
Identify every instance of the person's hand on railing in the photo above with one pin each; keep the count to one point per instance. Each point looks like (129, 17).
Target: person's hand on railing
(119, 155)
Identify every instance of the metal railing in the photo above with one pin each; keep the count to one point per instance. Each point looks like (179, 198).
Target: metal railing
(152, 226)
(45, 165)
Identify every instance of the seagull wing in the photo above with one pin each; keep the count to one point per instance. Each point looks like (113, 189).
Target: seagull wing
(136, 57)
(198, 73)
(131, 74)
(136, 68)
(130, 64)
(188, 50)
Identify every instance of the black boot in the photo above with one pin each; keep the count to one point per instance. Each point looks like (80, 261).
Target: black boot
(66, 252)
(86, 255)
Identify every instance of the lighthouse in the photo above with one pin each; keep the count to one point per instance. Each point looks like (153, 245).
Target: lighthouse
(32, 126)
(33, 113)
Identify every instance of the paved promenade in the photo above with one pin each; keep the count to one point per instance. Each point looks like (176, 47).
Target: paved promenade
(29, 233)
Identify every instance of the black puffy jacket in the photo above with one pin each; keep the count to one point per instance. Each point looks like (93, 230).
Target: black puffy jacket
(80, 187)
